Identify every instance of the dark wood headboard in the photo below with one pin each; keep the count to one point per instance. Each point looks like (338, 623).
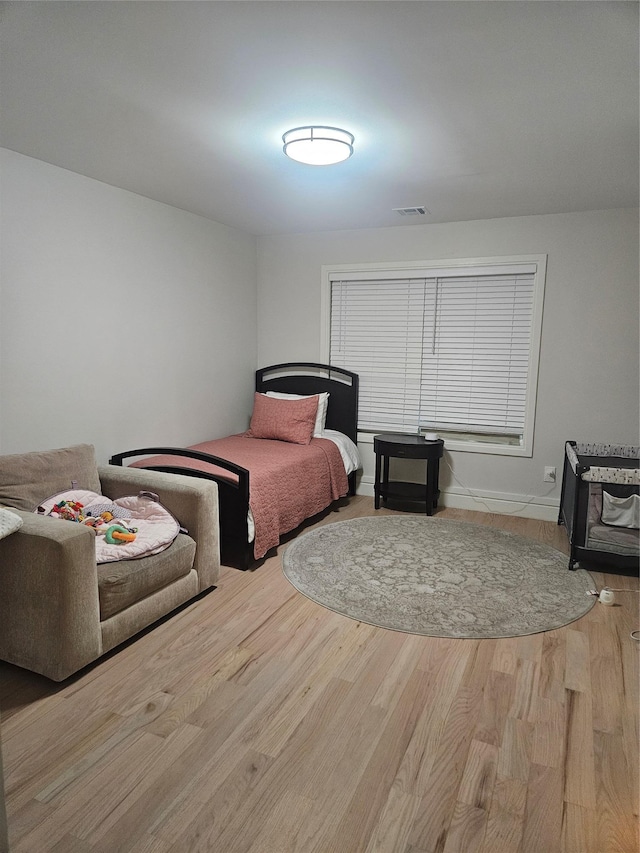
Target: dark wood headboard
(312, 378)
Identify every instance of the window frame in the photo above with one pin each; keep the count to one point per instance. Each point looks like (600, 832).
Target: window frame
(464, 266)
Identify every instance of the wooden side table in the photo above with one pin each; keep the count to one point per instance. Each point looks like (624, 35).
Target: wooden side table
(407, 447)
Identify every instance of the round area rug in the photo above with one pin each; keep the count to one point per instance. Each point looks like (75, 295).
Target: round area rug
(437, 577)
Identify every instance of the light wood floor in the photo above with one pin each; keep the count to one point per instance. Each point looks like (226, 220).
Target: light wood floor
(255, 721)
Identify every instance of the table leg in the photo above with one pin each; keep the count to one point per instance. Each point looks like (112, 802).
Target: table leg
(432, 485)
(376, 484)
(436, 482)
(385, 478)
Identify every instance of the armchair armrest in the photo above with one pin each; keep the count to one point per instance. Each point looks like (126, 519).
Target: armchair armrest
(49, 609)
(192, 501)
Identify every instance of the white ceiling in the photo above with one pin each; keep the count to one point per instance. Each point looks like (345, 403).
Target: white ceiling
(475, 109)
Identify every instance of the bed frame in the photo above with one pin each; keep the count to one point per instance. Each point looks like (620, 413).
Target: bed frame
(233, 495)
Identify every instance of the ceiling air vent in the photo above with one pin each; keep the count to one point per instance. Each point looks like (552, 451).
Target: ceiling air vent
(411, 211)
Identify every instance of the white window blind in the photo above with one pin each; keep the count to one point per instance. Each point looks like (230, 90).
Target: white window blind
(450, 351)
(378, 327)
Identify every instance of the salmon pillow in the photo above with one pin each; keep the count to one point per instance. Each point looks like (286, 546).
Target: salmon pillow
(283, 420)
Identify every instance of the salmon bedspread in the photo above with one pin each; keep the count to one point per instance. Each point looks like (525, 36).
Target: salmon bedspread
(288, 483)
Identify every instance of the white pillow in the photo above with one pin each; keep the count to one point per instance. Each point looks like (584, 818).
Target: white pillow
(348, 449)
(9, 522)
(321, 414)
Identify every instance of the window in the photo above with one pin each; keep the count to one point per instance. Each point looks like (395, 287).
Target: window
(451, 347)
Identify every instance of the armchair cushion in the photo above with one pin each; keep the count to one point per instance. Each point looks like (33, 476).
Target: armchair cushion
(28, 478)
(124, 582)
(192, 501)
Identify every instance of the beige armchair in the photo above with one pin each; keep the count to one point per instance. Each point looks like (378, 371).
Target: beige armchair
(59, 610)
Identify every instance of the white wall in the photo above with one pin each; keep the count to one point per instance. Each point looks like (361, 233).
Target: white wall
(124, 322)
(588, 376)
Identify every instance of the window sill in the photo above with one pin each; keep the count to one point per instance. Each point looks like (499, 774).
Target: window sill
(469, 445)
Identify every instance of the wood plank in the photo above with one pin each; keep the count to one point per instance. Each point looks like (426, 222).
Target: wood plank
(187, 703)
(580, 783)
(578, 666)
(497, 699)
(476, 786)
(443, 683)
(505, 823)
(200, 821)
(467, 829)
(439, 799)
(332, 792)
(138, 718)
(580, 830)
(391, 832)
(553, 666)
(607, 685)
(282, 827)
(544, 809)
(71, 844)
(617, 829)
(515, 750)
(356, 827)
(549, 731)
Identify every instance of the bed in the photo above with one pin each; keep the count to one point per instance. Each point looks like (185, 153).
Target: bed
(270, 478)
(600, 505)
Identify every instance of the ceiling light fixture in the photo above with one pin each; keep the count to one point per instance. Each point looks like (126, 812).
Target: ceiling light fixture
(318, 145)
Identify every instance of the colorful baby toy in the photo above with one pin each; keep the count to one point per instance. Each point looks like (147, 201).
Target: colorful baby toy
(114, 534)
(68, 510)
(117, 534)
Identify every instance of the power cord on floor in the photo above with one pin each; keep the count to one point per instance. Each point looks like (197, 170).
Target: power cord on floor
(484, 503)
(606, 596)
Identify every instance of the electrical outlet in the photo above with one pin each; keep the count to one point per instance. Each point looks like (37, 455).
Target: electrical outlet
(549, 474)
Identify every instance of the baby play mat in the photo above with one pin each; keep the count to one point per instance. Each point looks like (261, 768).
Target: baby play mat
(126, 529)
(437, 577)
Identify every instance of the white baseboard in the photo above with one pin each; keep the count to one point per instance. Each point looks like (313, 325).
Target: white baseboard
(542, 508)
